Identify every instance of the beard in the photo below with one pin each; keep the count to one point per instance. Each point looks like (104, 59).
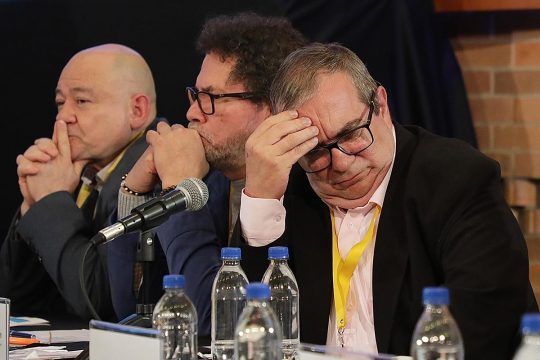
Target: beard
(228, 156)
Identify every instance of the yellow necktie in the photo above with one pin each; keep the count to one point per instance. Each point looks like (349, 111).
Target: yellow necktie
(87, 186)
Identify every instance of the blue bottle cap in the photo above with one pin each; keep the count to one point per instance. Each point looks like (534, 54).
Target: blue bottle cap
(530, 323)
(231, 253)
(278, 252)
(257, 290)
(435, 296)
(174, 281)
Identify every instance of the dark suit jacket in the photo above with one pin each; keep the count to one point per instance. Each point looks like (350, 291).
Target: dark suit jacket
(191, 243)
(444, 221)
(39, 260)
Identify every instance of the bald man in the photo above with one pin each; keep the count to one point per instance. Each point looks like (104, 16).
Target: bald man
(69, 183)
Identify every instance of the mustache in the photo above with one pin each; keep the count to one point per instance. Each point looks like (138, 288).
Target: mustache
(207, 139)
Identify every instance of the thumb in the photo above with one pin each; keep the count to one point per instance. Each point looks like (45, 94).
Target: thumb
(79, 165)
(60, 137)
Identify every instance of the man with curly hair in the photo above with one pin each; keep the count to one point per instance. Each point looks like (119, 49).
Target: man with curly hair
(229, 100)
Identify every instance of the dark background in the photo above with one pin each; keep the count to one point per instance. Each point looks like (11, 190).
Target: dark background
(402, 42)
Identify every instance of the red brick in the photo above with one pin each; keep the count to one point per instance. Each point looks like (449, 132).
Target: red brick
(533, 245)
(504, 137)
(527, 53)
(534, 275)
(517, 82)
(477, 82)
(520, 192)
(483, 137)
(527, 109)
(492, 109)
(527, 165)
(518, 138)
(528, 138)
(531, 222)
(489, 53)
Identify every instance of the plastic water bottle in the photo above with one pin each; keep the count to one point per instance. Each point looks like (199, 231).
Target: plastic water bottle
(284, 298)
(228, 301)
(530, 344)
(436, 335)
(258, 334)
(176, 318)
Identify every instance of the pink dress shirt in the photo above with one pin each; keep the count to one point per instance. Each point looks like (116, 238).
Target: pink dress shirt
(263, 221)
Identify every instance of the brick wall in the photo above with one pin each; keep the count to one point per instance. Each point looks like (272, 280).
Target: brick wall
(501, 69)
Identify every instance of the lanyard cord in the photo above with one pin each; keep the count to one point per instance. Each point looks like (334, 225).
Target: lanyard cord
(342, 270)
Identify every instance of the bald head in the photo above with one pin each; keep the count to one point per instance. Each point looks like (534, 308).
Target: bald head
(120, 67)
(106, 97)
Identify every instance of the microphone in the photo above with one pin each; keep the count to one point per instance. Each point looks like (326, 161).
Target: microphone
(191, 194)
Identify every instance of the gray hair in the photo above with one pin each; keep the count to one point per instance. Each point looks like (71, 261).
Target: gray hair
(296, 79)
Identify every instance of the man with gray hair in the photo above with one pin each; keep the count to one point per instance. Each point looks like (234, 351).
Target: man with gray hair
(335, 179)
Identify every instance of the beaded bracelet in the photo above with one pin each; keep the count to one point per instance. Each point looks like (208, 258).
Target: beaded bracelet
(128, 190)
(167, 190)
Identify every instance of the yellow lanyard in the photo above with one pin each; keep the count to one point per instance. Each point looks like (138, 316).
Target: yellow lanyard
(85, 188)
(343, 270)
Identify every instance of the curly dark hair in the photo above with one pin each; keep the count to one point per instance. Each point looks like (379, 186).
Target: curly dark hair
(257, 43)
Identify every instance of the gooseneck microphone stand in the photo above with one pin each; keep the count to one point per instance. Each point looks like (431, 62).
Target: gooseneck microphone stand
(190, 195)
(146, 256)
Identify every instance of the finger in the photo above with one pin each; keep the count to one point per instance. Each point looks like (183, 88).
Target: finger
(177, 126)
(276, 119)
(285, 128)
(293, 140)
(79, 165)
(55, 135)
(47, 146)
(275, 127)
(26, 167)
(60, 129)
(163, 128)
(35, 154)
(147, 152)
(294, 154)
(151, 135)
(148, 158)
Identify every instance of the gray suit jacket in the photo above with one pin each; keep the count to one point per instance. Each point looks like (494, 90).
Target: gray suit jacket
(40, 257)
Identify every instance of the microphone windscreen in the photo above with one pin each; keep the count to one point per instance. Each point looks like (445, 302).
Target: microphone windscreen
(196, 193)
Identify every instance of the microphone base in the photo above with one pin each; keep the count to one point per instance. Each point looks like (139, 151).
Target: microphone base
(143, 317)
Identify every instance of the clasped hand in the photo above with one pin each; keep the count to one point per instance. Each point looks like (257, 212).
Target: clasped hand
(46, 167)
(174, 154)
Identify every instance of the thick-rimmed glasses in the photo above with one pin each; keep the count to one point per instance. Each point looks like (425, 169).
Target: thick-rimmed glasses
(205, 100)
(352, 142)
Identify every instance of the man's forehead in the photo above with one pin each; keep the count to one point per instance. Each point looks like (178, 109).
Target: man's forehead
(334, 114)
(77, 89)
(215, 74)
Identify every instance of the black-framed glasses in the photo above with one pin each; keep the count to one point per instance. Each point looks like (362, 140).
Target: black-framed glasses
(352, 142)
(205, 100)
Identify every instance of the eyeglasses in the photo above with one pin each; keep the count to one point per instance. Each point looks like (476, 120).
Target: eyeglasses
(352, 142)
(205, 100)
